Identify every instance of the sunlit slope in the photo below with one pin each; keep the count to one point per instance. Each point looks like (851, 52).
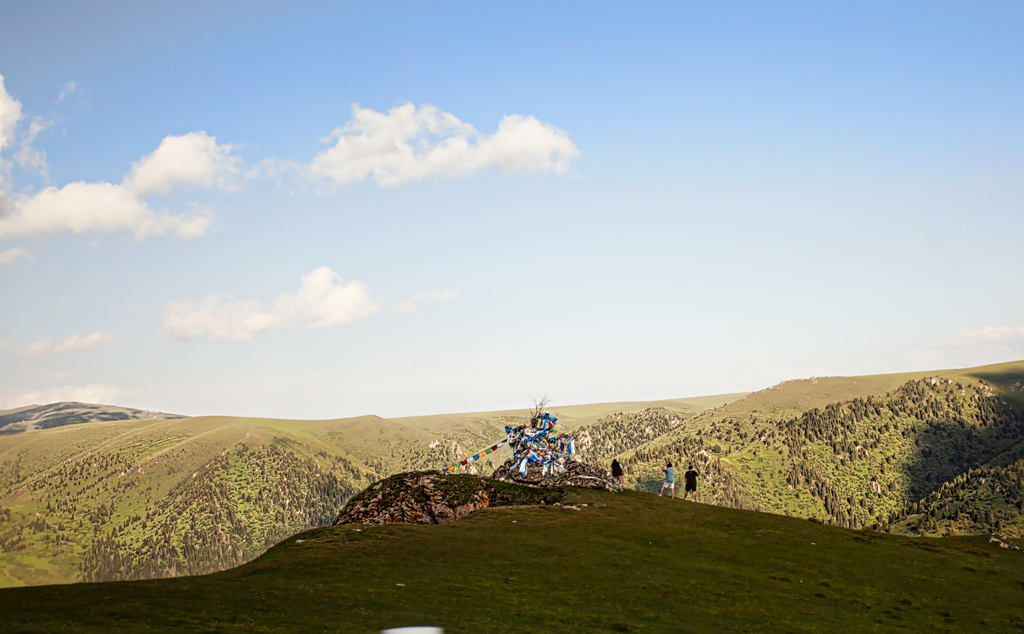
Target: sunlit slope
(152, 498)
(30, 417)
(163, 497)
(799, 395)
(855, 461)
(623, 563)
(569, 416)
(130, 499)
(982, 500)
(476, 431)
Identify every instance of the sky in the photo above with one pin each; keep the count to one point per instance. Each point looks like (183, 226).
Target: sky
(320, 210)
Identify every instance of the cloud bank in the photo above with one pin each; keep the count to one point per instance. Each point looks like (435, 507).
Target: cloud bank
(412, 144)
(405, 144)
(411, 305)
(91, 393)
(10, 256)
(190, 160)
(323, 299)
(973, 347)
(194, 159)
(10, 115)
(75, 343)
(98, 207)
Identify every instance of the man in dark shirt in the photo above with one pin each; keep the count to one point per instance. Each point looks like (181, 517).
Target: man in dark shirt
(617, 472)
(691, 484)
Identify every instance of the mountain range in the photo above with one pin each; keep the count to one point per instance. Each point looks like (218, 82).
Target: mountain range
(134, 494)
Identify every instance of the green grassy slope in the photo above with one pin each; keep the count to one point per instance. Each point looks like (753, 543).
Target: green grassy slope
(130, 499)
(975, 502)
(485, 427)
(626, 562)
(797, 448)
(163, 497)
(153, 498)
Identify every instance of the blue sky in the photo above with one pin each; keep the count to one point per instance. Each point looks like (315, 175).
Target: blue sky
(598, 201)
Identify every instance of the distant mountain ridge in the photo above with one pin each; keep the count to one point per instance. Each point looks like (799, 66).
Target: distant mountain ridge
(849, 451)
(136, 499)
(71, 413)
(148, 498)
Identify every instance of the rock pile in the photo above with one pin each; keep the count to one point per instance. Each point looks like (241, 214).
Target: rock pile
(430, 497)
(574, 474)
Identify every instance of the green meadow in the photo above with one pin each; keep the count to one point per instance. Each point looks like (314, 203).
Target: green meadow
(137, 499)
(624, 562)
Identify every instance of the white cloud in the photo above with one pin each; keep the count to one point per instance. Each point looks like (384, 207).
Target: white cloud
(193, 159)
(81, 207)
(10, 256)
(5, 343)
(991, 335)
(410, 144)
(75, 343)
(187, 319)
(973, 347)
(10, 115)
(323, 299)
(69, 88)
(411, 305)
(28, 156)
(92, 393)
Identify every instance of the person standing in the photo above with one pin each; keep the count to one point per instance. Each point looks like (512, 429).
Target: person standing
(691, 483)
(618, 473)
(670, 480)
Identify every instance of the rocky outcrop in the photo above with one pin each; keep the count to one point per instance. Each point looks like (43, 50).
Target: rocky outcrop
(575, 474)
(432, 497)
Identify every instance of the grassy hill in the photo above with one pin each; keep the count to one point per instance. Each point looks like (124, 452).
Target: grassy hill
(13, 421)
(976, 502)
(131, 499)
(853, 451)
(625, 562)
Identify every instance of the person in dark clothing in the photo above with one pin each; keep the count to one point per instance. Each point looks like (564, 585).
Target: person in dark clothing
(691, 483)
(617, 472)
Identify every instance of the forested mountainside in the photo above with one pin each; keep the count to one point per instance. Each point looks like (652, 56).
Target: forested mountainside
(856, 463)
(134, 499)
(979, 501)
(148, 499)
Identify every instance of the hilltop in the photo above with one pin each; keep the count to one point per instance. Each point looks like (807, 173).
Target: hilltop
(133, 499)
(851, 451)
(70, 413)
(602, 562)
(138, 499)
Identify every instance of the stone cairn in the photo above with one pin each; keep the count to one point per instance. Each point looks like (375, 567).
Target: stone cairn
(433, 497)
(572, 474)
(415, 498)
(541, 460)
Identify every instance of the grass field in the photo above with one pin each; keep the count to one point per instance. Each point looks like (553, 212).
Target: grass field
(626, 562)
(114, 499)
(151, 498)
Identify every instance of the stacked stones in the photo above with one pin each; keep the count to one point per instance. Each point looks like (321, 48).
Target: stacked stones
(573, 474)
(415, 500)
(431, 497)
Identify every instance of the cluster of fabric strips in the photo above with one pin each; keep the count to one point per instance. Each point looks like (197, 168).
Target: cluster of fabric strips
(477, 456)
(540, 444)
